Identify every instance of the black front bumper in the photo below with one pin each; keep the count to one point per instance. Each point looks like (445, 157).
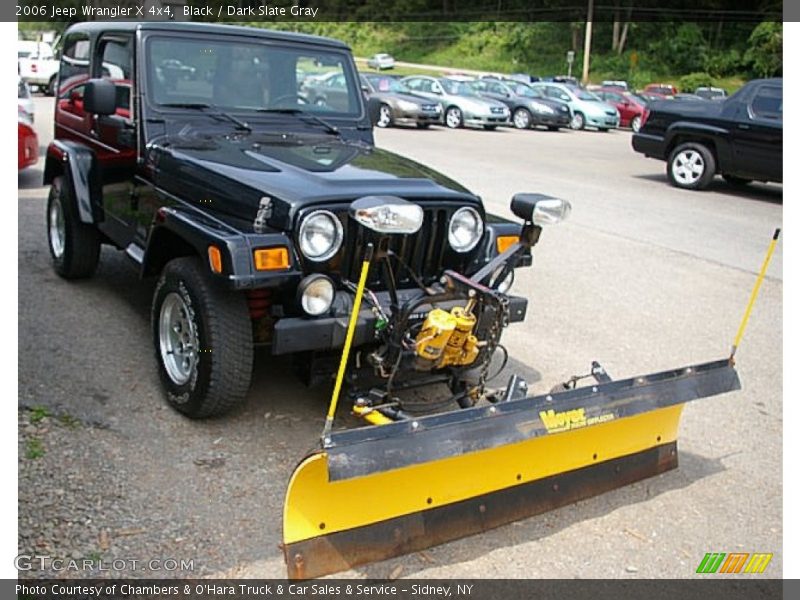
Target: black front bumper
(301, 334)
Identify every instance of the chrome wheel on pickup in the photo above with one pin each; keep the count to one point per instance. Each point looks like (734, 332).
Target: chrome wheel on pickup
(691, 166)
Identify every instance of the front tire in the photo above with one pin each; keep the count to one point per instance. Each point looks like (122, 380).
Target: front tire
(578, 121)
(522, 118)
(691, 166)
(454, 118)
(636, 124)
(203, 340)
(74, 246)
(385, 118)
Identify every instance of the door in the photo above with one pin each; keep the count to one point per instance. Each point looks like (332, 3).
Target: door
(114, 138)
(758, 134)
(71, 121)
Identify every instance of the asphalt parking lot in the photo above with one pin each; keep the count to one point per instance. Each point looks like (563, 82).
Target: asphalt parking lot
(643, 277)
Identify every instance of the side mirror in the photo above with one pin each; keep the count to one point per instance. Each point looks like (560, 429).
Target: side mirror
(540, 209)
(100, 97)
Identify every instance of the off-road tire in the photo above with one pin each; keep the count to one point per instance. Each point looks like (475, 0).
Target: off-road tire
(80, 249)
(221, 376)
(703, 166)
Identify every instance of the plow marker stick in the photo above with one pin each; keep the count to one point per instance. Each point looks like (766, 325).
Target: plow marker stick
(351, 327)
(754, 293)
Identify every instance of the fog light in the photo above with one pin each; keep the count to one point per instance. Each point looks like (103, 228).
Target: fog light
(316, 294)
(501, 286)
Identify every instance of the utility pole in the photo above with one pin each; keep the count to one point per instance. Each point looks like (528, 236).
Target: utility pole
(587, 44)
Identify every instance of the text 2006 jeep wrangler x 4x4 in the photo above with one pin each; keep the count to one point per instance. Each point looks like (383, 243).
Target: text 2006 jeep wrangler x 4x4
(200, 157)
(267, 218)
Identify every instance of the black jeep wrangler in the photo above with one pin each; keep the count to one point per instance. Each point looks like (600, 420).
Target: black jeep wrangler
(192, 148)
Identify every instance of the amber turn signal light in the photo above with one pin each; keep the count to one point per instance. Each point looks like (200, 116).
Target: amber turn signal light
(504, 242)
(215, 259)
(271, 259)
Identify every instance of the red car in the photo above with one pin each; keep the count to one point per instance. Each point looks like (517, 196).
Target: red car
(665, 89)
(28, 143)
(631, 109)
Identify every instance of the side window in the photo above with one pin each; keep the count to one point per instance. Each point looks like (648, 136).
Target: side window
(116, 64)
(768, 103)
(74, 58)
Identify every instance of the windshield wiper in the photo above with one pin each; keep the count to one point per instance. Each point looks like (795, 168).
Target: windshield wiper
(219, 113)
(332, 129)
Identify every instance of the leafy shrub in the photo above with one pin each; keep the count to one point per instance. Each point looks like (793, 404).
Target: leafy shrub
(692, 81)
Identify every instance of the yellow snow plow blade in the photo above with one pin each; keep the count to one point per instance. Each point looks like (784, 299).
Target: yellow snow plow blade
(382, 491)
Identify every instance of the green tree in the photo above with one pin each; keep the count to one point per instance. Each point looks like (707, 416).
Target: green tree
(765, 49)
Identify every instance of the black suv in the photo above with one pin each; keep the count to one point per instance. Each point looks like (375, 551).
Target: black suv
(192, 148)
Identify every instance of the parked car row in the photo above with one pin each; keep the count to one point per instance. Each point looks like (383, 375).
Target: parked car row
(460, 101)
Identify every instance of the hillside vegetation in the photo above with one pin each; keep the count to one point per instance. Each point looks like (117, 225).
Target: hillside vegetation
(710, 53)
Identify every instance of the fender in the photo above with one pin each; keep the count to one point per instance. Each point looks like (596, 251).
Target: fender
(180, 231)
(718, 136)
(79, 165)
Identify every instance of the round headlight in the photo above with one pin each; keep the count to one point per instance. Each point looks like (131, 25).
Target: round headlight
(316, 294)
(320, 235)
(501, 286)
(466, 229)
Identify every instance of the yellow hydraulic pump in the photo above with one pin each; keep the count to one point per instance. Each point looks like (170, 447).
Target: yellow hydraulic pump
(446, 338)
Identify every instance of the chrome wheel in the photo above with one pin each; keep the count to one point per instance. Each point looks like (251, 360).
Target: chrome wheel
(577, 121)
(522, 118)
(56, 229)
(636, 124)
(453, 117)
(178, 340)
(688, 167)
(384, 116)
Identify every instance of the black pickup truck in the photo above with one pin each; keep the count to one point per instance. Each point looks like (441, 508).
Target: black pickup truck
(740, 138)
(199, 156)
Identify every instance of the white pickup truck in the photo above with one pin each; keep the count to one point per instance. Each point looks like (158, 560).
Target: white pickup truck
(37, 65)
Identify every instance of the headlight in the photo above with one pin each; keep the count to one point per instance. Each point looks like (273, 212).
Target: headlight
(465, 230)
(551, 211)
(501, 286)
(320, 235)
(316, 294)
(406, 105)
(542, 108)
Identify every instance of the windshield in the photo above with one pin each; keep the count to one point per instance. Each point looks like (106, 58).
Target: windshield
(457, 88)
(584, 95)
(527, 91)
(388, 84)
(241, 76)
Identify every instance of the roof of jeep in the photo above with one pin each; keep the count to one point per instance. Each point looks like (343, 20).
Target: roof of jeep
(94, 27)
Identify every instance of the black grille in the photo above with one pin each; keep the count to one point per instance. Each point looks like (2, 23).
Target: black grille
(429, 107)
(496, 110)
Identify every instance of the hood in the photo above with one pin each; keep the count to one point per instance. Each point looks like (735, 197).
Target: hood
(234, 172)
(477, 103)
(595, 107)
